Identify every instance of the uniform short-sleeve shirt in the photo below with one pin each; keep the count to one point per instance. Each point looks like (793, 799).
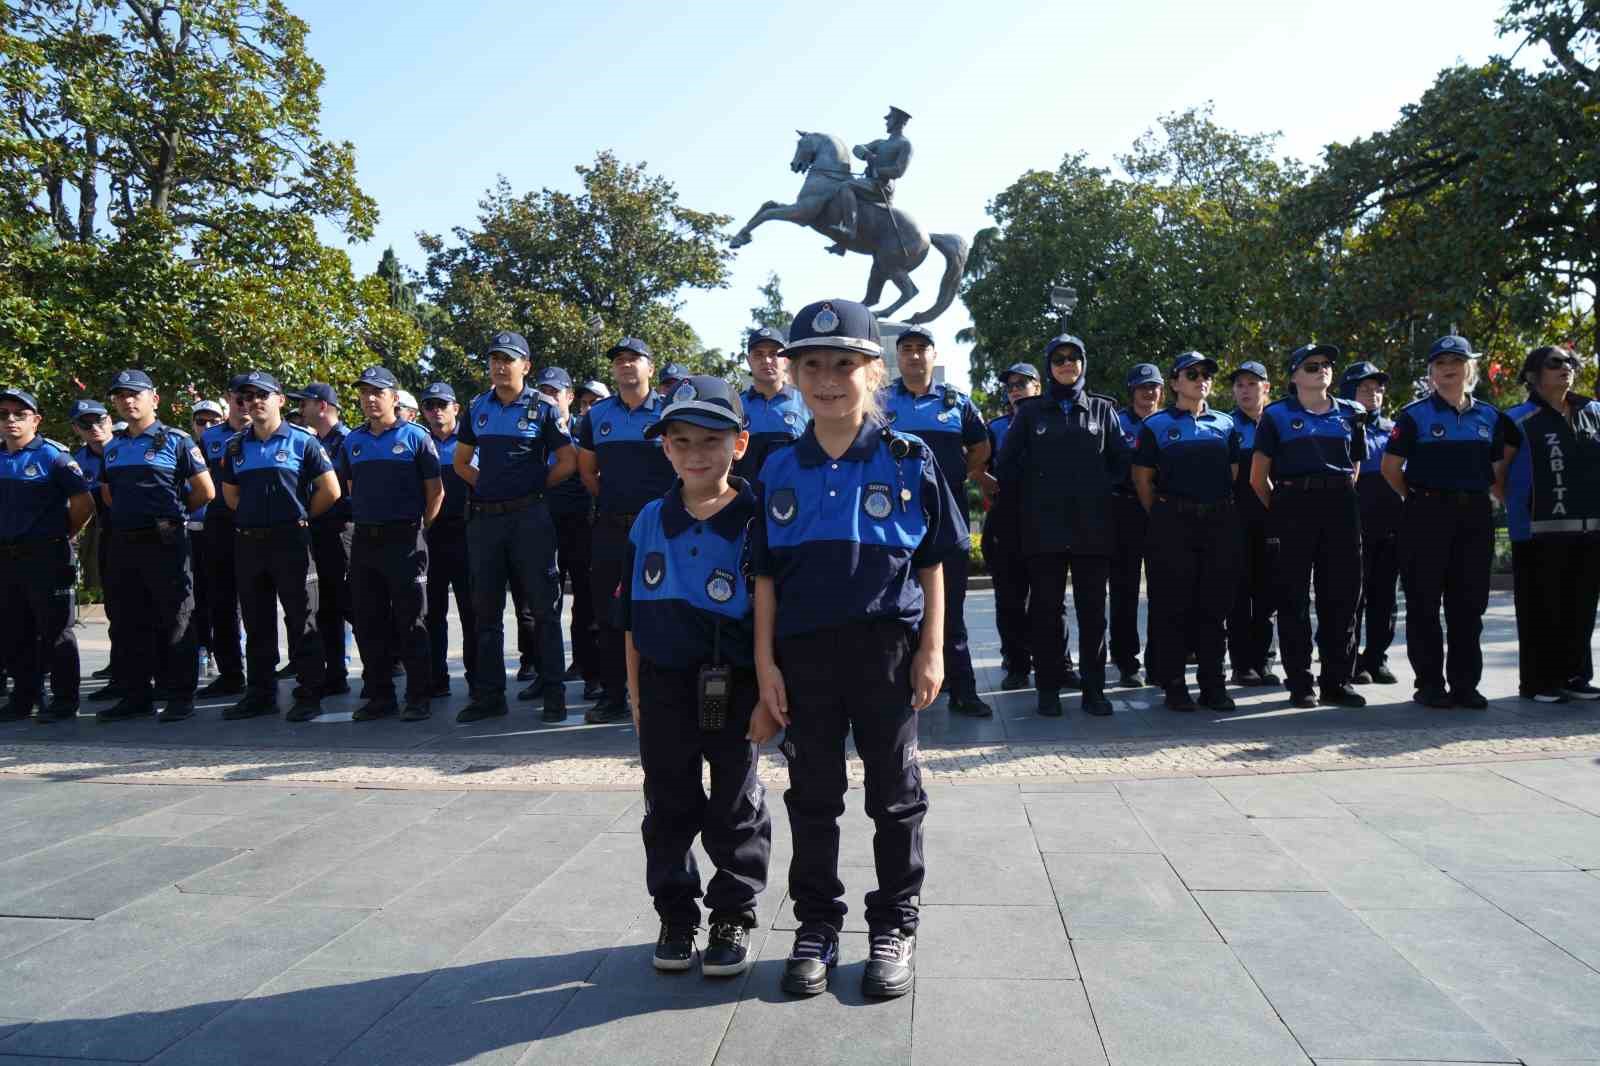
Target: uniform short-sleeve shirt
(1304, 443)
(36, 481)
(146, 474)
(774, 422)
(633, 468)
(274, 476)
(1192, 454)
(1448, 449)
(385, 471)
(944, 419)
(513, 442)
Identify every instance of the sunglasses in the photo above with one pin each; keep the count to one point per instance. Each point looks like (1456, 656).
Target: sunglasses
(1315, 366)
(435, 405)
(1195, 373)
(208, 421)
(252, 395)
(1556, 362)
(1062, 358)
(90, 423)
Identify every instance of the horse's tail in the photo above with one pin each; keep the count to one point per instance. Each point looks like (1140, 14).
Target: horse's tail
(954, 249)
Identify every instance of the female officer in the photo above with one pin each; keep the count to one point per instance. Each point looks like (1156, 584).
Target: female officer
(1183, 473)
(1250, 621)
(1446, 452)
(1553, 509)
(1061, 457)
(1308, 447)
(1380, 522)
(855, 526)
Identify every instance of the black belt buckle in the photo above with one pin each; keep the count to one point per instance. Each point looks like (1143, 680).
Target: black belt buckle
(714, 691)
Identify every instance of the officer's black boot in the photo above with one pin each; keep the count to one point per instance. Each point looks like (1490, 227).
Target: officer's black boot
(1471, 699)
(675, 947)
(1095, 703)
(60, 710)
(888, 972)
(110, 694)
(1178, 698)
(1381, 674)
(1128, 677)
(1437, 698)
(177, 710)
(614, 708)
(533, 691)
(1015, 678)
(555, 705)
(131, 706)
(814, 955)
(1216, 699)
(968, 703)
(484, 705)
(17, 708)
(727, 949)
(1343, 695)
(222, 686)
(415, 712)
(1050, 703)
(255, 704)
(1070, 678)
(375, 708)
(306, 707)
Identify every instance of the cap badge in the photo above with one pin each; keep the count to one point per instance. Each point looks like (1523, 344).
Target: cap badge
(876, 502)
(719, 586)
(685, 393)
(254, 376)
(825, 320)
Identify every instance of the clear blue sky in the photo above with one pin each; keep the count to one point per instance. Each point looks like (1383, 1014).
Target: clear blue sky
(439, 98)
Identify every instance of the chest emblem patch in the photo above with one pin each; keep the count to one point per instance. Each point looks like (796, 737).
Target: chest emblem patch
(791, 418)
(355, 450)
(605, 429)
(654, 571)
(783, 507)
(1483, 432)
(1297, 424)
(877, 502)
(719, 586)
(483, 420)
(522, 423)
(1040, 429)
(150, 456)
(1174, 433)
(31, 471)
(1437, 430)
(282, 456)
(399, 449)
(216, 447)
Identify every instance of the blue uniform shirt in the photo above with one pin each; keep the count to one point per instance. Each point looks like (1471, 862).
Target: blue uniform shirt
(685, 578)
(1192, 455)
(513, 441)
(1301, 443)
(1448, 449)
(274, 476)
(945, 420)
(455, 490)
(633, 468)
(333, 444)
(843, 538)
(92, 464)
(569, 497)
(385, 472)
(212, 442)
(35, 484)
(147, 473)
(773, 423)
(1130, 423)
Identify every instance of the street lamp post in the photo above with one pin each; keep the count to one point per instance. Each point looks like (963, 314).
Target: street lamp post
(596, 326)
(1063, 298)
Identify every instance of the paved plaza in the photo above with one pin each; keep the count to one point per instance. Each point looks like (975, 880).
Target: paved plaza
(1273, 886)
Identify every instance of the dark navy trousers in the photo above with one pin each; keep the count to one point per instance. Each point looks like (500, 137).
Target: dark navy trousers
(221, 591)
(330, 550)
(1133, 525)
(520, 547)
(274, 566)
(1194, 568)
(1319, 539)
(1250, 621)
(1378, 609)
(448, 570)
(37, 584)
(154, 590)
(388, 576)
(1446, 551)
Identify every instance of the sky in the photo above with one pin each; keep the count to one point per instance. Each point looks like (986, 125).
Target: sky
(441, 98)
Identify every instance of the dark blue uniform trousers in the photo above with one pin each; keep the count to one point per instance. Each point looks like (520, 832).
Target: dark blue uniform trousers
(1194, 567)
(37, 581)
(1446, 551)
(1133, 526)
(1557, 584)
(1004, 562)
(274, 565)
(448, 570)
(1047, 590)
(519, 547)
(1318, 529)
(388, 573)
(1250, 621)
(330, 551)
(855, 680)
(733, 823)
(154, 589)
(957, 655)
(572, 561)
(221, 592)
(1378, 607)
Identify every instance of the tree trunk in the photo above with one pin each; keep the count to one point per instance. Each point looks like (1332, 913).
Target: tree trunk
(88, 195)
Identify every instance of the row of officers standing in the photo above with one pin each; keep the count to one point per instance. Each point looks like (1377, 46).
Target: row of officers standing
(1233, 518)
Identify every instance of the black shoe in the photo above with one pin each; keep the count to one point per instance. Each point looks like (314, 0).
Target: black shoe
(415, 712)
(1217, 699)
(889, 972)
(1270, 679)
(1577, 689)
(1547, 695)
(106, 695)
(1050, 703)
(285, 672)
(1382, 675)
(815, 953)
(340, 687)
(607, 710)
(372, 710)
(527, 672)
(1433, 697)
(485, 706)
(555, 709)
(254, 705)
(1471, 699)
(305, 708)
(574, 673)
(1343, 695)
(1178, 698)
(594, 690)
(969, 704)
(127, 707)
(15, 710)
(533, 691)
(222, 686)
(176, 711)
(727, 951)
(1246, 679)
(1302, 699)
(102, 674)
(1129, 678)
(675, 947)
(1070, 678)
(1095, 703)
(59, 711)
(440, 690)
(1361, 677)
(1014, 680)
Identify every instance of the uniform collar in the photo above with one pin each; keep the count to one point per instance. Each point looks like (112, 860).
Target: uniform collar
(152, 430)
(900, 386)
(1294, 404)
(1443, 406)
(726, 523)
(339, 430)
(524, 399)
(281, 431)
(809, 451)
(447, 438)
(1174, 411)
(652, 400)
(753, 394)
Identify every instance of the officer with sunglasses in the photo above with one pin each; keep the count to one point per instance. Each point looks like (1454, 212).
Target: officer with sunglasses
(1377, 608)
(1308, 450)
(91, 424)
(1250, 621)
(1144, 399)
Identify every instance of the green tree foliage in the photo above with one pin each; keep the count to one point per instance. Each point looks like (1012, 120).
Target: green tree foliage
(771, 313)
(542, 263)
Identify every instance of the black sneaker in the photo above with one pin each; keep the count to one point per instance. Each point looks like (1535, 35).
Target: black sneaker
(527, 672)
(1433, 697)
(675, 947)
(1014, 680)
(1382, 675)
(305, 708)
(1304, 698)
(60, 710)
(254, 705)
(1471, 699)
(1070, 678)
(286, 672)
(533, 691)
(969, 704)
(176, 711)
(1343, 695)
(608, 710)
(1129, 678)
(1580, 690)
(415, 712)
(102, 674)
(889, 971)
(594, 690)
(1178, 698)
(1217, 699)
(1548, 695)
(127, 707)
(727, 951)
(372, 710)
(1050, 703)
(815, 953)
(555, 708)
(481, 707)
(1361, 677)
(222, 686)
(574, 673)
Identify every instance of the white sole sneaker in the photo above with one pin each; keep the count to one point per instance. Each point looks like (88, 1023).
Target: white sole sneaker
(671, 965)
(732, 969)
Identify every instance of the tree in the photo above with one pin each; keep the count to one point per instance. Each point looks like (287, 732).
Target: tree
(544, 262)
(771, 313)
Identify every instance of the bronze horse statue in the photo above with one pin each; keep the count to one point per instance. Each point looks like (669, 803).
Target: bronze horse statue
(894, 240)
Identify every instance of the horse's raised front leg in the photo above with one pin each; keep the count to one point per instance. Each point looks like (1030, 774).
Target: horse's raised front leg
(771, 212)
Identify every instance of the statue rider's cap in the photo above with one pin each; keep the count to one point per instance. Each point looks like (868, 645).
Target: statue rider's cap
(900, 116)
(841, 324)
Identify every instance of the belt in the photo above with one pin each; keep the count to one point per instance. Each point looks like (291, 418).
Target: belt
(386, 530)
(616, 518)
(147, 533)
(1306, 484)
(1458, 495)
(445, 525)
(1196, 507)
(267, 532)
(521, 503)
(18, 549)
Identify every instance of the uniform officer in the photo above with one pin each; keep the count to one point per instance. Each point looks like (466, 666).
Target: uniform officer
(405, 405)
(392, 470)
(671, 374)
(276, 478)
(1132, 519)
(146, 469)
(1446, 452)
(589, 394)
(944, 418)
(1365, 384)
(848, 556)
(44, 501)
(1002, 549)
(772, 407)
(512, 431)
(1553, 511)
(214, 564)
(1308, 449)
(1250, 621)
(331, 534)
(1183, 471)
(1061, 456)
(204, 415)
(624, 470)
(448, 567)
(91, 423)
(686, 608)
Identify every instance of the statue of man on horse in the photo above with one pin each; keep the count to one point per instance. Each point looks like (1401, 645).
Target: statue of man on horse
(857, 212)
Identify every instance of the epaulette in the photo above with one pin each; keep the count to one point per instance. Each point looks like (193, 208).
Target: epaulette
(57, 445)
(299, 429)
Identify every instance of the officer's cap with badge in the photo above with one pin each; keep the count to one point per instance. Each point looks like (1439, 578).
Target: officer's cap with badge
(1143, 374)
(319, 390)
(132, 381)
(630, 344)
(439, 391)
(205, 407)
(87, 409)
(597, 389)
(24, 398)
(1306, 351)
(673, 372)
(512, 344)
(912, 333)
(555, 377)
(259, 380)
(701, 400)
(764, 335)
(1453, 345)
(1026, 371)
(1356, 373)
(1064, 340)
(1248, 367)
(378, 377)
(843, 325)
(404, 399)
(1187, 360)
